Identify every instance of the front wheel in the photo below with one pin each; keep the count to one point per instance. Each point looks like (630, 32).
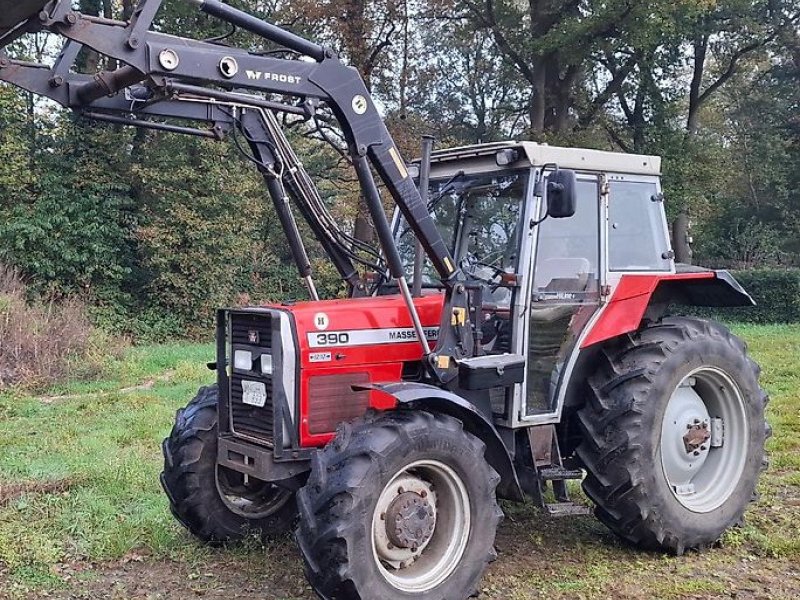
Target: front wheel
(673, 434)
(402, 506)
(214, 503)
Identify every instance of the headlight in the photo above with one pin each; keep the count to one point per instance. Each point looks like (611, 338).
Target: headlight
(266, 364)
(243, 360)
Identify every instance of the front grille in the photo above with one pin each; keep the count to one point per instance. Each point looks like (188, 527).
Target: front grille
(252, 332)
(332, 400)
(243, 326)
(252, 421)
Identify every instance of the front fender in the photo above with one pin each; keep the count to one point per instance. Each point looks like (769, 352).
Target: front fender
(419, 395)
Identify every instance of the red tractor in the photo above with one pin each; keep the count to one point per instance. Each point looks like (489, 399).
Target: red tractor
(533, 346)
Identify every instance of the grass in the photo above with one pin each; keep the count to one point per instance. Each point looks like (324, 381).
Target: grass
(81, 508)
(100, 447)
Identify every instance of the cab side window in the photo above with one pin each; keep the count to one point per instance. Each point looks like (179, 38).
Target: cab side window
(636, 239)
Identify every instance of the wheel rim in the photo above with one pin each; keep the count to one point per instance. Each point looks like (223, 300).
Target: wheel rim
(704, 437)
(421, 526)
(249, 497)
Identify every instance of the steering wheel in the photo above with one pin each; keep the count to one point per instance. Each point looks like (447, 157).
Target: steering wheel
(473, 267)
(468, 264)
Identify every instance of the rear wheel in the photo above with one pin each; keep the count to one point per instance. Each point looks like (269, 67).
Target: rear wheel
(673, 434)
(399, 507)
(214, 503)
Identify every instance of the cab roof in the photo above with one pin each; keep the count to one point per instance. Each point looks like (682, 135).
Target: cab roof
(532, 154)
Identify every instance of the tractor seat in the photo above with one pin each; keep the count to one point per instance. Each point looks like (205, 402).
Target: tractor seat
(562, 274)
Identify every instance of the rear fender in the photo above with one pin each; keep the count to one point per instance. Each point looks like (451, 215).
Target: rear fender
(640, 296)
(412, 395)
(721, 290)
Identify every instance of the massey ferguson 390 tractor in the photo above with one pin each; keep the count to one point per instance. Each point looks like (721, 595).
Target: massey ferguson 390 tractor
(530, 348)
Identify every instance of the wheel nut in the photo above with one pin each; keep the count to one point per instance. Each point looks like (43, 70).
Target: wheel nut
(400, 490)
(696, 453)
(383, 516)
(424, 494)
(702, 447)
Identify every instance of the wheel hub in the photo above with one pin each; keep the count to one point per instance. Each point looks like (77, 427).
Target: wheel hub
(696, 437)
(410, 520)
(400, 543)
(684, 442)
(421, 526)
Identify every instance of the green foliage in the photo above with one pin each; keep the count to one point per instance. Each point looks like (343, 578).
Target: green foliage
(155, 231)
(189, 230)
(15, 151)
(776, 292)
(72, 234)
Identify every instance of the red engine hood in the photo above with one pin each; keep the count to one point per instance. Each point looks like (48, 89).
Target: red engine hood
(358, 331)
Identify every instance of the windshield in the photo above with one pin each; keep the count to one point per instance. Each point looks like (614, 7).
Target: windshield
(478, 217)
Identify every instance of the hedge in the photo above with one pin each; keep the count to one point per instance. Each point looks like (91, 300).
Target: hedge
(777, 296)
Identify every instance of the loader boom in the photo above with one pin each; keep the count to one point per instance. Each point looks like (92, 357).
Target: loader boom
(167, 76)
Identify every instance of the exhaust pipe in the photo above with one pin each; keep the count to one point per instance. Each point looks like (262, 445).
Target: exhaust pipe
(424, 179)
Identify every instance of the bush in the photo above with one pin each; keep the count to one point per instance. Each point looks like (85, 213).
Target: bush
(45, 342)
(777, 296)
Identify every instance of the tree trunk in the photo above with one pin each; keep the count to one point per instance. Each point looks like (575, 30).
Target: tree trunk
(700, 47)
(538, 100)
(562, 96)
(89, 62)
(127, 8)
(354, 32)
(354, 37)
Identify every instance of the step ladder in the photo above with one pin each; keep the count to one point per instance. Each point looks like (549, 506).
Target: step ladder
(549, 470)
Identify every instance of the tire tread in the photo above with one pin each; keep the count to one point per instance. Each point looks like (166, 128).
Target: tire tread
(611, 419)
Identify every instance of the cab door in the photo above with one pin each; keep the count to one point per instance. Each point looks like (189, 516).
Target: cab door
(565, 294)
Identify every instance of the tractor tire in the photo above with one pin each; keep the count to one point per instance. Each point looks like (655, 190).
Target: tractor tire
(215, 504)
(418, 470)
(673, 434)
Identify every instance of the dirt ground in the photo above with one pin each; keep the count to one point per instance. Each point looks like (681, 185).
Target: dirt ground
(588, 562)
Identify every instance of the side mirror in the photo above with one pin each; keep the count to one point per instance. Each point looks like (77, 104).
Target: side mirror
(562, 189)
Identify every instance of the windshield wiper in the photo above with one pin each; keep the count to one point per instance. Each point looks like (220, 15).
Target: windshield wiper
(448, 187)
(445, 189)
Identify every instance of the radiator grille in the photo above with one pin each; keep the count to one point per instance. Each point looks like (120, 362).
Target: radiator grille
(253, 333)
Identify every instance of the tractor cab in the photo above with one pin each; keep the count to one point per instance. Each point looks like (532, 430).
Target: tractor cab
(544, 276)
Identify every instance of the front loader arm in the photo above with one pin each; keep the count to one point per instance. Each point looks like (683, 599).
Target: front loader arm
(162, 61)
(157, 56)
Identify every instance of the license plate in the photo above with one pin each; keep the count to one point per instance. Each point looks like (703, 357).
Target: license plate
(254, 393)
